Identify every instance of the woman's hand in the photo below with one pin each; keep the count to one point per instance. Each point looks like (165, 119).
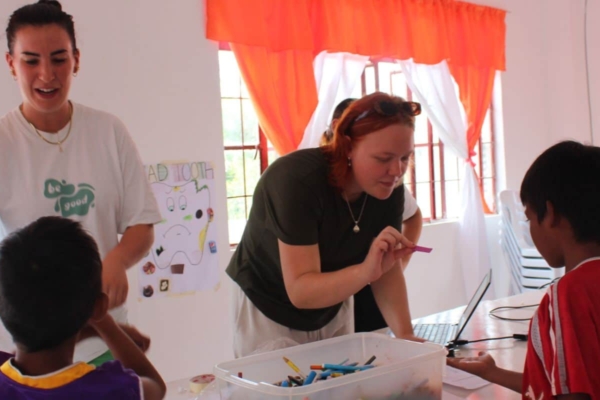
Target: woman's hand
(483, 366)
(387, 248)
(134, 245)
(412, 338)
(114, 279)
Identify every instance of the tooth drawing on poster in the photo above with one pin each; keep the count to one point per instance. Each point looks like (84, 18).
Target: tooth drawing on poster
(183, 257)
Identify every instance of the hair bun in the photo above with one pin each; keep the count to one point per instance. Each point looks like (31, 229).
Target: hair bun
(51, 3)
(412, 108)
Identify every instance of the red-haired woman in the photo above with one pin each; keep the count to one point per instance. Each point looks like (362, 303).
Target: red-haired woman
(367, 316)
(324, 224)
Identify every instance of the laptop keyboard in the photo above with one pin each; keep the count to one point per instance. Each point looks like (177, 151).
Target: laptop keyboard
(435, 333)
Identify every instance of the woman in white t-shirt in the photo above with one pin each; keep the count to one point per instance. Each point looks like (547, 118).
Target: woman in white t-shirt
(367, 316)
(61, 158)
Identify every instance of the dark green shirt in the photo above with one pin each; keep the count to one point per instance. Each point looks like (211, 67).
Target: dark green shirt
(293, 202)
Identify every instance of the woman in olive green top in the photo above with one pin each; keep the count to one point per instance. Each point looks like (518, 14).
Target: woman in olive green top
(367, 316)
(324, 224)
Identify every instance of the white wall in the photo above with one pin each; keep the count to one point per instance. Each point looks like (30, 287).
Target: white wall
(593, 47)
(544, 86)
(148, 62)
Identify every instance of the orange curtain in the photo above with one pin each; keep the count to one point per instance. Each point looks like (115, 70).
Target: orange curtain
(282, 89)
(274, 40)
(475, 86)
(424, 30)
(475, 81)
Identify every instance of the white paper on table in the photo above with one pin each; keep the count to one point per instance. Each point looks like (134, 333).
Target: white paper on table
(462, 379)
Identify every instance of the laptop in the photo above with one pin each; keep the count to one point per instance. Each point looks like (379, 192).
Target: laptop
(447, 334)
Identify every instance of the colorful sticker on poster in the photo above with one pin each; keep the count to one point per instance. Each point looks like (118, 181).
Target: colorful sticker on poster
(183, 258)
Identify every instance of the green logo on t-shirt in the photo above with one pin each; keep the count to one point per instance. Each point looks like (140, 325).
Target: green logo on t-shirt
(68, 201)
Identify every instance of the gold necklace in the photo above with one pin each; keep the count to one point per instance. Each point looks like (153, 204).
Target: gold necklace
(59, 142)
(356, 228)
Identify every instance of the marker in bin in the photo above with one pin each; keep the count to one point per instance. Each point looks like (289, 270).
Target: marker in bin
(342, 368)
(310, 378)
(298, 381)
(294, 367)
(327, 371)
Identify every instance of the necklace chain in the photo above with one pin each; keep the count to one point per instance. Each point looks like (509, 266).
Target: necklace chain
(59, 142)
(356, 228)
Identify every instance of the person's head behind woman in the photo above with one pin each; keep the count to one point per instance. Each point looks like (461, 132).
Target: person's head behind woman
(42, 54)
(372, 144)
(327, 136)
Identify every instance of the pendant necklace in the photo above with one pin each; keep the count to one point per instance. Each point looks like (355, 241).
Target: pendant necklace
(356, 228)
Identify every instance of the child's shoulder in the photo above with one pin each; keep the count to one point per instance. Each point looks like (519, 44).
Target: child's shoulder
(115, 369)
(80, 380)
(112, 377)
(586, 274)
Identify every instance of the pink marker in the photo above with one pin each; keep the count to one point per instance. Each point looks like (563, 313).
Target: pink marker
(423, 249)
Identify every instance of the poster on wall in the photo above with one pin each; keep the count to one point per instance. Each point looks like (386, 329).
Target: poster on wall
(183, 258)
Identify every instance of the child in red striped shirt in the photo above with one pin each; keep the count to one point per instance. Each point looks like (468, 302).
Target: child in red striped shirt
(561, 194)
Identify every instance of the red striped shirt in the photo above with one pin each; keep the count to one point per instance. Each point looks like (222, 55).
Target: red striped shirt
(563, 353)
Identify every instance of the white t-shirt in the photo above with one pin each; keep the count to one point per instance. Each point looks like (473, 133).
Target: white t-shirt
(98, 180)
(410, 205)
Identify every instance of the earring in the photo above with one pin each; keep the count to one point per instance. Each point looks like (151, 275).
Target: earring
(349, 162)
(75, 72)
(14, 74)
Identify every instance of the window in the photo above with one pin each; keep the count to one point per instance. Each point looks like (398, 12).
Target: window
(435, 173)
(247, 150)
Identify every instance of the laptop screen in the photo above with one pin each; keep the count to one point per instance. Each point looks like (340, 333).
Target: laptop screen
(483, 286)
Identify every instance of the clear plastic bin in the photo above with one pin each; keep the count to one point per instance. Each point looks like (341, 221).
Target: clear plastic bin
(404, 370)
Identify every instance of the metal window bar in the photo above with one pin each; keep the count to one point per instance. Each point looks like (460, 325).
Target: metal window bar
(493, 157)
(442, 179)
(261, 147)
(431, 170)
(411, 166)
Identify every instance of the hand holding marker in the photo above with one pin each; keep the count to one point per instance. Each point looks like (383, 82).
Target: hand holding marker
(422, 249)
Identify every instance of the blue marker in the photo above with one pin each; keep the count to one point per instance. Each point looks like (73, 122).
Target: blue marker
(342, 367)
(326, 374)
(310, 378)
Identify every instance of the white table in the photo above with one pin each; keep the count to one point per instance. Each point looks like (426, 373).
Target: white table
(509, 354)
(179, 390)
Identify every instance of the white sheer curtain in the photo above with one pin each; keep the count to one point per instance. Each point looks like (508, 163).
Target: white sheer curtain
(434, 87)
(336, 74)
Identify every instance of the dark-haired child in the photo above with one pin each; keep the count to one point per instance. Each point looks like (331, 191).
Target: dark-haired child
(561, 195)
(50, 292)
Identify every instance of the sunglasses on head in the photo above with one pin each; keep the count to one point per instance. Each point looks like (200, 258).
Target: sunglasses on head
(389, 109)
